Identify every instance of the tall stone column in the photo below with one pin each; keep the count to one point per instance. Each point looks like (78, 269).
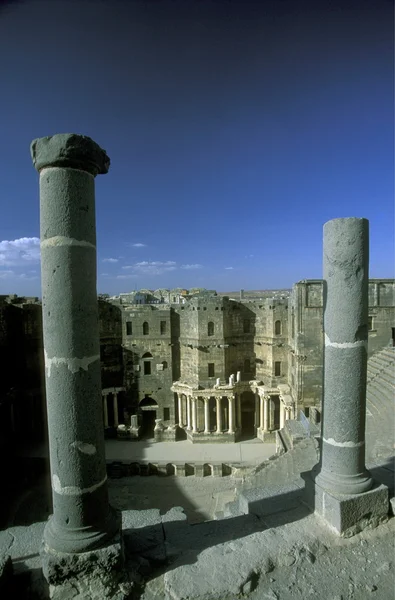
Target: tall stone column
(115, 404)
(189, 413)
(105, 410)
(206, 416)
(282, 414)
(266, 413)
(194, 415)
(346, 266)
(179, 396)
(261, 417)
(344, 494)
(231, 403)
(219, 414)
(82, 519)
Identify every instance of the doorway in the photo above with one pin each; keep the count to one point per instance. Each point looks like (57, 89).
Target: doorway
(148, 414)
(248, 427)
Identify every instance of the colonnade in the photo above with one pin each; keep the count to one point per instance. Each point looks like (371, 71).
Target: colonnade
(228, 417)
(105, 393)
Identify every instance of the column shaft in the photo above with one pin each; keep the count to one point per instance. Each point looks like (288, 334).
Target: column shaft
(261, 413)
(105, 410)
(206, 416)
(219, 414)
(194, 415)
(81, 517)
(346, 262)
(179, 396)
(115, 403)
(189, 413)
(282, 415)
(266, 412)
(231, 403)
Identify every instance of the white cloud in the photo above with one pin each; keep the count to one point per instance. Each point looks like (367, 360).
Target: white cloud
(8, 274)
(139, 245)
(126, 276)
(110, 260)
(19, 252)
(155, 267)
(195, 266)
(228, 268)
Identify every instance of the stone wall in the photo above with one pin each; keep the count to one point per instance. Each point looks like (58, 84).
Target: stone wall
(305, 338)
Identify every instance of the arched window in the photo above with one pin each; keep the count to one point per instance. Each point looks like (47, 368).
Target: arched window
(210, 328)
(164, 363)
(277, 328)
(247, 365)
(145, 328)
(246, 326)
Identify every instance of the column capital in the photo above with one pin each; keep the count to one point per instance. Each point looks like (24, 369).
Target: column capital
(69, 150)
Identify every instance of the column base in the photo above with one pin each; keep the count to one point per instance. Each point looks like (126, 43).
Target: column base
(97, 575)
(348, 514)
(345, 484)
(84, 539)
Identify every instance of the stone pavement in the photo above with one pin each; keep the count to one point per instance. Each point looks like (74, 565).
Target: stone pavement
(250, 452)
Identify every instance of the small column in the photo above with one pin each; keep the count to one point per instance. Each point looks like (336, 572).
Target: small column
(238, 376)
(219, 414)
(189, 413)
(179, 396)
(266, 413)
(282, 415)
(231, 403)
(194, 415)
(115, 402)
(105, 409)
(206, 416)
(287, 413)
(346, 265)
(261, 413)
(81, 520)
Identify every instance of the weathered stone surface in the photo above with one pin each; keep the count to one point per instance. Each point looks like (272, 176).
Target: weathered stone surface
(346, 266)
(69, 150)
(350, 514)
(95, 575)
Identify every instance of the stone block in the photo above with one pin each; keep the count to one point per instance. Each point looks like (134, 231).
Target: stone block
(98, 574)
(199, 469)
(180, 469)
(346, 514)
(216, 469)
(263, 502)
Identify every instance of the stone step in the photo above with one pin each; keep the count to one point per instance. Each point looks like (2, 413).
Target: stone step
(388, 375)
(270, 500)
(389, 351)
(378, 399)
(380, 361)
(384, 387)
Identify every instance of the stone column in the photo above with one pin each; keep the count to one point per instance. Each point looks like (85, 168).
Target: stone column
(219, 414)
(345, 270)
(261, 414)
(179, 396)
(231, 403)
(266, 413)
(206, 416)
(105, 410)
(189, 413)
(282, 414)
(82, 519)
(194, 415)
(115, 404)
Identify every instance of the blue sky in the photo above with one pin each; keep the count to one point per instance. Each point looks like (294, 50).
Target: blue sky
(235, 131)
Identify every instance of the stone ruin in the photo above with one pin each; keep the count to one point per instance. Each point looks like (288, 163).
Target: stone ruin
(82, 551)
